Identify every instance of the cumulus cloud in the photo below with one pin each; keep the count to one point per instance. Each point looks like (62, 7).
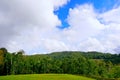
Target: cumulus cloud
(59, 3)
(32, 25)
(92, 31)
(83, 23)
(23, 23)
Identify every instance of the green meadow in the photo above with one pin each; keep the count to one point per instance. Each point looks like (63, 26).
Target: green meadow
(44, 77)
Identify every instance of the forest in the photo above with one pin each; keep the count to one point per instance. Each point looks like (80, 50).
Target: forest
(91, 64)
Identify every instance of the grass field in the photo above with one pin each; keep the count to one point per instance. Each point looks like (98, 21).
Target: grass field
(44, 77)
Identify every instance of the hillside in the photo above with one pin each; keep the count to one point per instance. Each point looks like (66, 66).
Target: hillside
(92, 64)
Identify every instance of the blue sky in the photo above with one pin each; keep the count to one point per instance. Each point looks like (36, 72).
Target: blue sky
(44, 26)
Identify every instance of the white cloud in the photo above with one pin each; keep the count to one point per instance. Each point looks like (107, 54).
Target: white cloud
(23, 23)
(60, 3)
(91, 31)
(54, 45)
(92, 44)
(83, 24)
(83, 21)
(31, 25)
(110, 16)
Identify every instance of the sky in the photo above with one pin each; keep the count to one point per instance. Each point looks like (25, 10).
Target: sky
(45, 26)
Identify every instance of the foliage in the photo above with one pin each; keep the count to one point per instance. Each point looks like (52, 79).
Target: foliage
(92, 64)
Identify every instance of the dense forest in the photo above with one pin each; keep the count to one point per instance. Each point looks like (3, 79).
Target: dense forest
(91, 64)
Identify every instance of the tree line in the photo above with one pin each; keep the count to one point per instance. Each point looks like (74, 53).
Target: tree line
(92, 64)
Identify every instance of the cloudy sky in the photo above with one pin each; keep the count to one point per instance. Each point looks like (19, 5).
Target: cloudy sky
(44, 26)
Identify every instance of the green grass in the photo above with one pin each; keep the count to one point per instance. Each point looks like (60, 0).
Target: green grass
(44, 77)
